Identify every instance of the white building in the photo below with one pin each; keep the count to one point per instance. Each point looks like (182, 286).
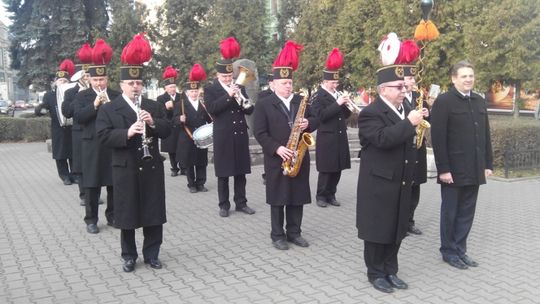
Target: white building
(6, 74)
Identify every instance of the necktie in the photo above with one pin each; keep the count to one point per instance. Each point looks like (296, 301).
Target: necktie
(400, 110)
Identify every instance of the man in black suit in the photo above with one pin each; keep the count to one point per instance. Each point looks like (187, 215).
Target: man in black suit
(76, 129)
(169, 99)
(273, 124)
(96, 158)
(139, 184)
(463, 155)
(332, 149)
(189, 115)
(60, 134)
(420, 172)
(263, 94)
(387, 162)
(230, 135)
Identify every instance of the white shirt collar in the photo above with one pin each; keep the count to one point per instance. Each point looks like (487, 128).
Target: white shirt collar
(464, 94)
(130, 103)
(195, 104)
(224, 85)
(401, 115)
(286, 101)
(333, 94)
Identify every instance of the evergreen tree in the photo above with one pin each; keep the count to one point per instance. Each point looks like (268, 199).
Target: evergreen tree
(44, 33)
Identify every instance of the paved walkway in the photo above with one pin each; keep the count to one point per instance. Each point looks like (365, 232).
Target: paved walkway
(46, 256)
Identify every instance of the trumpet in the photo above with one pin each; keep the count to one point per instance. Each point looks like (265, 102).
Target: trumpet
(349, 104)
(245, 76)
(145, 141)
(242, 100)
(103, 96)
(79, 78)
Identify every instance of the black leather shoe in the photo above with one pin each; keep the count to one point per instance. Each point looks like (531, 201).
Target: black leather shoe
(455, 262)
(396, 282)
(82, 203)
(92, 228)
(192, 190)
(381, 284)
(223, 212)
(468, 261)
(280, 244)
(333, 202)
(183, 171)
(174, 173)
(202, 189)
(67, 181)
(129, 265)
(299, 241)
(246, 210)
(154, 263)
(101, 202)
(322, 203)
(110, 223)
(414, 230)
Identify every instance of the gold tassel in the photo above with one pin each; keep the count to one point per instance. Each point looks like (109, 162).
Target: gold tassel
(426, 31)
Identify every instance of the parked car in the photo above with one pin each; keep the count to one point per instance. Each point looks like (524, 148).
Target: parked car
(6, 108)
(20, 104)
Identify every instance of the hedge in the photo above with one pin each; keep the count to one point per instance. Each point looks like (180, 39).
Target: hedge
(24, 129)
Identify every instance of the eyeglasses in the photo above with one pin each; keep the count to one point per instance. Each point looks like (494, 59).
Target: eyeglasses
(134, 82)
(399, 87)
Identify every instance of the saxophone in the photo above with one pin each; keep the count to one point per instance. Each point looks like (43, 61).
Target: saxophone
(422, 126)
(298, 142)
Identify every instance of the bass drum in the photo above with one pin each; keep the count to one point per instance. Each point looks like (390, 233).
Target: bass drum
(203, 136)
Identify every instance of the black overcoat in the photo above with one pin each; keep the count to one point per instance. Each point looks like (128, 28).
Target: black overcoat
(60, 136)
(271, 129)
(96, 158)
(76, 129)
(386, 172)
(332, 149)
(230, 134)
(461, 138)
(420, 171)
(170, 143)
(139, 185)
(187, 153)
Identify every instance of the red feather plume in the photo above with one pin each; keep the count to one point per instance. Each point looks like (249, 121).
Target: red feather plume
(101, 53)
(85, 54)
(230, 48)
(289, 55)
(137, 51)
(170, 72)
(335, 60)
(68, 66)
(197, 73)
(408, 52)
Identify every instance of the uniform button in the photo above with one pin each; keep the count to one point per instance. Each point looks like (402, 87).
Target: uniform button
(232, 112)
(340, 118)
(153, 167)
(406, 161)
(234, 122)
(403, 183)
(234, 133)
(139, 149)
(340, 132)
(417, 162)
(140, 168)
(242, 132)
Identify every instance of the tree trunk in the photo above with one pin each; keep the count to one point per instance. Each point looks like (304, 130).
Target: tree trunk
(517, 98)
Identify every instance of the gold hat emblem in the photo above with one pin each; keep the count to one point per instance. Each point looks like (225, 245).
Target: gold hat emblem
(193, 85)
(100, 71)
(400, 72)
(413, 71)
(284, 72)
(134, 72)
(336, 76)
(61, 74)
(229, 68)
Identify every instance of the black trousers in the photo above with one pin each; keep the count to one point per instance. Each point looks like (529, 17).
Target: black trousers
(174, 163)
(239, 192)
(62, 166)
(415, 198)
(92, 200)
(196, 176)
(381, 259)
(294, 216)
(327, 185)
(82, 196)
(457, 214)
(153, 237)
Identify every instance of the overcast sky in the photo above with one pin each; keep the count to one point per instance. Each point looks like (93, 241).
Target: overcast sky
(3, 15)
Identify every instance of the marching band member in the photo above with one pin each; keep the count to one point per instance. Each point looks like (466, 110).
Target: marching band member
(189, 115)
(273, 125)
(85, 58)
(131, 125)
(96, 158)
(332, 149)
(230, 135)
(60, 135)
(169, 99)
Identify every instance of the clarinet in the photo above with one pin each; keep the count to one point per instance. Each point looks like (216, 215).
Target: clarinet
(145, 141)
